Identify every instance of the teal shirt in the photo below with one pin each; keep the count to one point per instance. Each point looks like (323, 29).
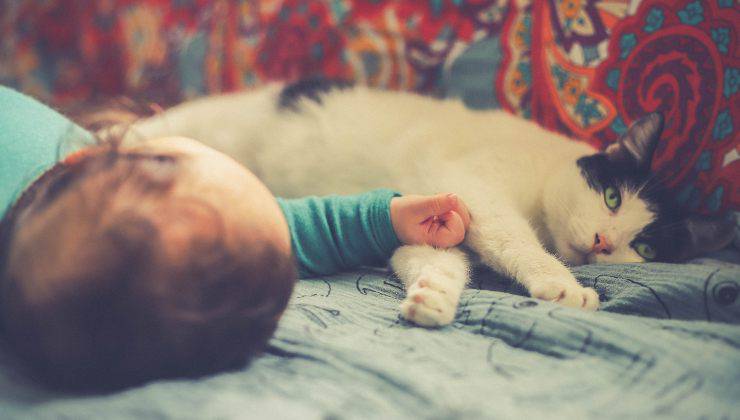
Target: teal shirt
(33, 137)
(337, 233)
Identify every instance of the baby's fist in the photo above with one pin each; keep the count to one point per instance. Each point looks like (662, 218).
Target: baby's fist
(440, 220)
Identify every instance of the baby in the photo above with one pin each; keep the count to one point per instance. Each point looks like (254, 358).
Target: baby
(165, 258)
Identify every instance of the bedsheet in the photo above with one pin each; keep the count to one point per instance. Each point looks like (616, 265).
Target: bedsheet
(666, 344)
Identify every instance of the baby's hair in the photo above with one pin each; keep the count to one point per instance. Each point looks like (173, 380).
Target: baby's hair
(90, 298)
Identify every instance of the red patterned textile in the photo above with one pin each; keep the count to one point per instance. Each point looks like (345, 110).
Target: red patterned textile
(586, 68)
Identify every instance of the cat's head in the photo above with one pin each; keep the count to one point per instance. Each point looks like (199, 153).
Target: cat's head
(609, 208)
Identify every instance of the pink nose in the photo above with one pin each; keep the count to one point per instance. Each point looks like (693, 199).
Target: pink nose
(602, 245)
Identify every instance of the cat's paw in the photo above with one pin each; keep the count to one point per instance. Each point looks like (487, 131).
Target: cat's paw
(566, 292)
(429, 304)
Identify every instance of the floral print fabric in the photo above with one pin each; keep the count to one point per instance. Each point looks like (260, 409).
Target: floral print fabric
(586, 68)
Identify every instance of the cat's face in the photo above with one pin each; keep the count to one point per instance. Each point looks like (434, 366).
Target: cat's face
(610, 214)
(608, 208)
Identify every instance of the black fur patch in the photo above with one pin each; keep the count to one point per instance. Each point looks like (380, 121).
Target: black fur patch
(600, 172)
(313, 89)
(667, 234)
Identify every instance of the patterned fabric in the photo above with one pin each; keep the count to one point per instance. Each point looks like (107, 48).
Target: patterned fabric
(665, 345)
(586, 68)
(683, 63)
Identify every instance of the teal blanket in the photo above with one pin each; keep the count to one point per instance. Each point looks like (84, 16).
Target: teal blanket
(665, 344)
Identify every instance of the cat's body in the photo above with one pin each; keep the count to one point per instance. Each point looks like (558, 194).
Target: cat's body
(530, 197)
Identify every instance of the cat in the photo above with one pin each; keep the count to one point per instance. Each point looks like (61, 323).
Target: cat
(539, 201)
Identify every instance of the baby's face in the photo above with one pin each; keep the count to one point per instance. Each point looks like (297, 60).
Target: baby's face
(245, 204)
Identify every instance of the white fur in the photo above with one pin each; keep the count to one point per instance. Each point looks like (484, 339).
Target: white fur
(525, 193)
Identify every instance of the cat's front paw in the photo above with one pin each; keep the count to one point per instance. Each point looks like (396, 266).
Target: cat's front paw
(429, 304)
(567, 292)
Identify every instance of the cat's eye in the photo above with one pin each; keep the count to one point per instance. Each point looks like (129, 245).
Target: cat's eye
(612, 198)
(646, 251)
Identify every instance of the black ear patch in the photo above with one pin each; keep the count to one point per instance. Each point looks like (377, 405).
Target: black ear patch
(312, 89)
(601, 172)
(637, 145)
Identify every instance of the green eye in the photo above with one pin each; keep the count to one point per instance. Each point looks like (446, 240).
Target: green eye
(612, 198)
(645, 250)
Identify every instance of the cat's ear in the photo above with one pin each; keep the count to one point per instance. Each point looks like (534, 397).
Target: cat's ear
(637, 145)
(705, 235)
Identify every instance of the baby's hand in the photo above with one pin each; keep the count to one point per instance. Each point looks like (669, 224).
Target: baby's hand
(439, 220)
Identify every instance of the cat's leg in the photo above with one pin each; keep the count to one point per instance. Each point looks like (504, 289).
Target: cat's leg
(507, 243)
(434, 280)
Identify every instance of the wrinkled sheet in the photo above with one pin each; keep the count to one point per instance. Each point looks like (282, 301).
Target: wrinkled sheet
(666, 343)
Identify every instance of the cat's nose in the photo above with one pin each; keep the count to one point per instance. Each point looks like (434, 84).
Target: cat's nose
(602, 245)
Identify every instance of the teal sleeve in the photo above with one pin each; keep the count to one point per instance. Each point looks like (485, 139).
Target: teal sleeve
(337, 233)
(33, 137)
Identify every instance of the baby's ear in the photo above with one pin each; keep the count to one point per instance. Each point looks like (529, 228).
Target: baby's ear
(705, 235)
(637, 145)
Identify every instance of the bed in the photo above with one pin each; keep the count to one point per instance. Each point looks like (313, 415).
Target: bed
(665, 344)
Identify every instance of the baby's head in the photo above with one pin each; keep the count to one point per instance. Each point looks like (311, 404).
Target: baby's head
(122, 265)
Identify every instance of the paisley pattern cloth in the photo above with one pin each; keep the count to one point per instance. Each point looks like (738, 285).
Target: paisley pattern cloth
(586, 68)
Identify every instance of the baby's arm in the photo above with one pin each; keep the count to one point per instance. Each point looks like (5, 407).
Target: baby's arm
(337, 233)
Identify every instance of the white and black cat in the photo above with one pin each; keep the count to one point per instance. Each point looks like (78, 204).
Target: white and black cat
(538, 201)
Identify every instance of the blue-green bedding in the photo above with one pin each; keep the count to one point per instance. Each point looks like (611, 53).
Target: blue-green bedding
(665, 344)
